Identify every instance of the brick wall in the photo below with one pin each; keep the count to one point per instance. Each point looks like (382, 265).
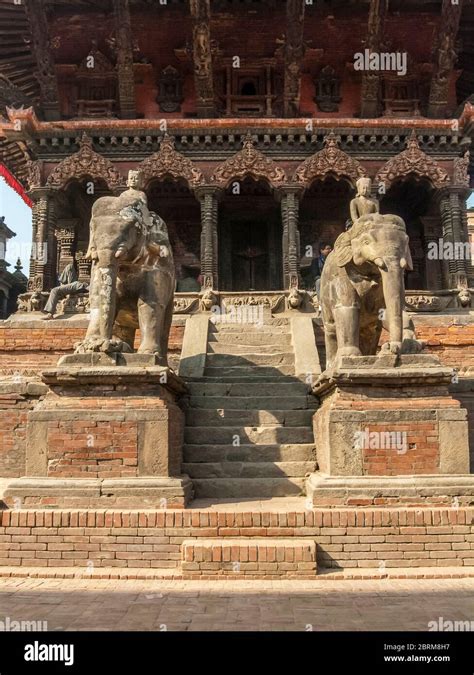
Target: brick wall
(348, 538)
(93, 449)
(413, 450)
(34, 348)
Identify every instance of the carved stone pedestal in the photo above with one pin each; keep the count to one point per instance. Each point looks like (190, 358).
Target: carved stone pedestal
(389, 431)
(108, 433)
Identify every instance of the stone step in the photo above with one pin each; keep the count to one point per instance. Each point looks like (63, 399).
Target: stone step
(225, 417)
(246, 435)
(296, 452)
(254, 402)
(275, 379)
(248, 371)
(250, 328)
(247, 389)
(227, 488)
(251, 359)
(248, 469)
(286, 558)
(239, 348)
(249, 338)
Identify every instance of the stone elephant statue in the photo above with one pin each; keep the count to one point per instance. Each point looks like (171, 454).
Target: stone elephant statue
(132, 277)
(363, 289)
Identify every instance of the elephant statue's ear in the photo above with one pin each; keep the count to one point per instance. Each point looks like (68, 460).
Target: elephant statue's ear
(343, 249)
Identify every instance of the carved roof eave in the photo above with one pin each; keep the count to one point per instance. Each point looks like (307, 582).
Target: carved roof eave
(84, 164)
(169, 163)
(413, 162)
(330, 161)
(248, 162)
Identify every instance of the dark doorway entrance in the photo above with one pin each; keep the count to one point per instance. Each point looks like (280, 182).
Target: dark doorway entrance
(250, 240)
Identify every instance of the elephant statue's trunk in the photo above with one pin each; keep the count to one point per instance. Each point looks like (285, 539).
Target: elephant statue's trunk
(107, 269)
(394, 294)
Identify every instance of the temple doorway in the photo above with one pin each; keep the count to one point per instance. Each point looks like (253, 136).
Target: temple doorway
(250, 239)
(324, 211)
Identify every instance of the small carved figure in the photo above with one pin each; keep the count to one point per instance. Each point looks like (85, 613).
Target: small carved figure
(363, 204)
(207, 301)
(464, 298)
(295, 298)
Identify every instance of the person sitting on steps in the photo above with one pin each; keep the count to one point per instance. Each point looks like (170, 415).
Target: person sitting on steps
(68, 285)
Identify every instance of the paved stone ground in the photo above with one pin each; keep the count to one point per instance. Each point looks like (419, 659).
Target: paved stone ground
(392, 605)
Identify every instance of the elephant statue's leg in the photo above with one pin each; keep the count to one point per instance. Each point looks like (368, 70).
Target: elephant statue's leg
(153, 302)
(347, 327)
(93, 330)
(330, 340)
(166, 330)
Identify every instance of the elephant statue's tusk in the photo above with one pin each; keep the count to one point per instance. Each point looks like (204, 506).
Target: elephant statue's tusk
(379, 262)
(403, 263)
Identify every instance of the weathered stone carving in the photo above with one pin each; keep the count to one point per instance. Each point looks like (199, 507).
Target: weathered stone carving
(169, 162)
(412, 161)
(185, 305)
(362, 288)
(423, 303)
(207, 301)
(248, 162)
(85, 162)
(330, 160)
(132, 279)
(363, 204)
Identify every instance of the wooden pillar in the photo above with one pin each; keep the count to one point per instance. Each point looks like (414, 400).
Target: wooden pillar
(126, 77)
(46, 69)
(445, 57)
(371, 85)
(208, 197)
(294, 52)
(290, 195)
(453, 209)
(43, 254)
(202, 58)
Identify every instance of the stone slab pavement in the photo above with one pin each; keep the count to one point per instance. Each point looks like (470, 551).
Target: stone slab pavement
(175, 605)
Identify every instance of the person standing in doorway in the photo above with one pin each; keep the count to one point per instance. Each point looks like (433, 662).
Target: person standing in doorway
(318, 264)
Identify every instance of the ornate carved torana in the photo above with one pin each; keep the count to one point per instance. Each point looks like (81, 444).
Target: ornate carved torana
(370, 90)
(45, 73)
(445, 55)
(329, 161)
(294, 52)
(125, 50)
(86, 163)
(169, 162)
(412, 161)
(202, 57)
(248, 162)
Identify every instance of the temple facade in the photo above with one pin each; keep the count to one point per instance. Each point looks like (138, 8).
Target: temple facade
(250, 148)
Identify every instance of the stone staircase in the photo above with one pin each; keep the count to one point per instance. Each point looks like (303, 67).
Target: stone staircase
(248, 421)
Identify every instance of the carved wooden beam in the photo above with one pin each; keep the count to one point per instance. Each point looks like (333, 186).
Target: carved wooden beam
(294, 52)
(370, 92)
(445, 58)
(46, 70)
(124, 45)
(202, 57)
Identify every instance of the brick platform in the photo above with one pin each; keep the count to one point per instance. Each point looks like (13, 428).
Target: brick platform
(361, 539)
(250, 558)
